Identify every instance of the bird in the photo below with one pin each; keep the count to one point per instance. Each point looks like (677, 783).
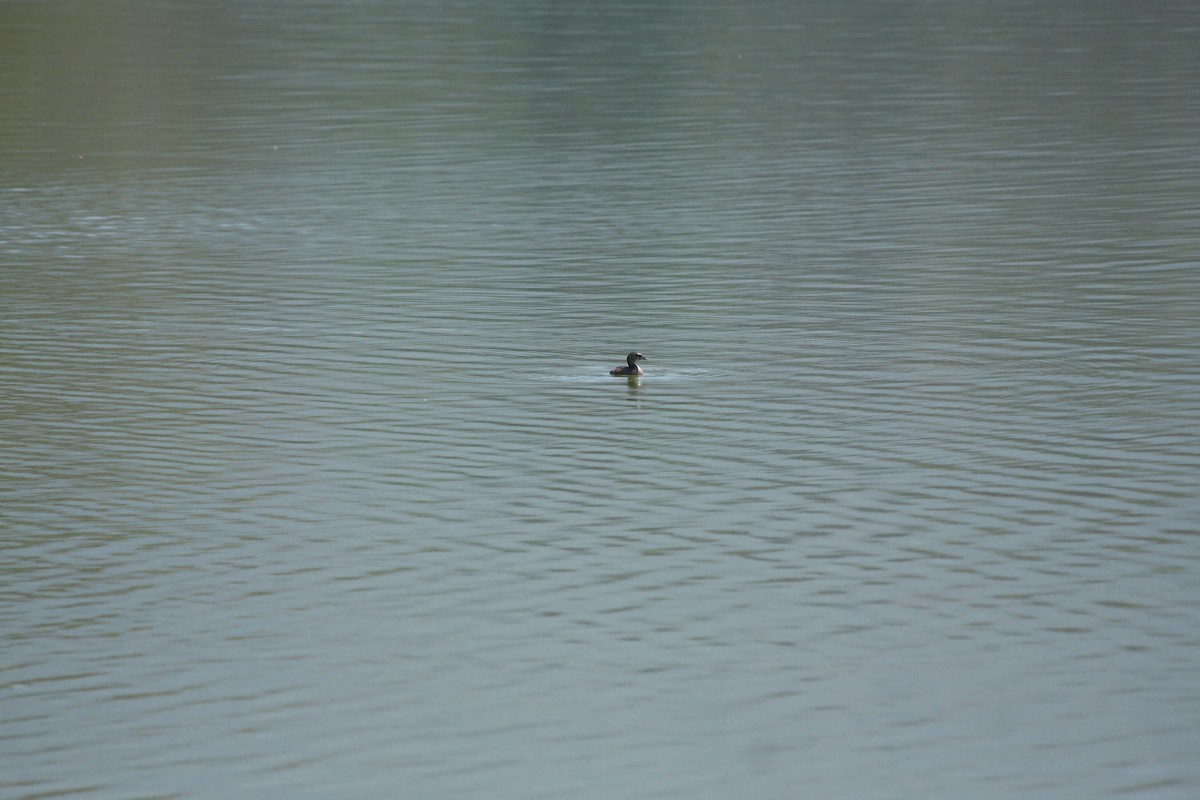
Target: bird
(631, 367)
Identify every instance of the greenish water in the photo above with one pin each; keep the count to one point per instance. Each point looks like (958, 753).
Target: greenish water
(313, 482)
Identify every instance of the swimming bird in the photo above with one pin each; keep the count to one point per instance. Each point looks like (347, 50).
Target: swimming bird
(630, 367)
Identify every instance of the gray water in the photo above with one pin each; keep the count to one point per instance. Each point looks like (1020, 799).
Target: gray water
(314, 482)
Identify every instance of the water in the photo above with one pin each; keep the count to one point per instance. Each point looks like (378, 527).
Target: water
(315, 484)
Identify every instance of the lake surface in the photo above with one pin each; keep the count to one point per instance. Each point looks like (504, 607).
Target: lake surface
(313, 482)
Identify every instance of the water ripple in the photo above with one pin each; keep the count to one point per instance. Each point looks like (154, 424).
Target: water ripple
(314, 479)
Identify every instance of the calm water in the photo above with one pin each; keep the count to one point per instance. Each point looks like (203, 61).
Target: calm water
(314, 483)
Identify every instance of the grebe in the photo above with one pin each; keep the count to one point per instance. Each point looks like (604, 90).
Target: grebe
(630, 367)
